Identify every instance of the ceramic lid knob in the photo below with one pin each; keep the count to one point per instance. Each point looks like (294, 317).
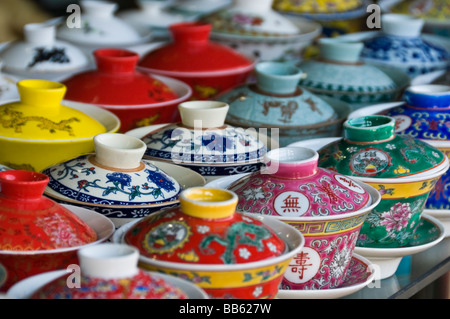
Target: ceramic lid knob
(116, 60)
(277, 77)
(98, 8)
(374, 128)
(43, 94)
(117, 150)
(108, 261)
(190, 32)
(401, 25)
(203, 114)
(22, 185)
(291, 162)
(39, 33)
(338, 50)
(208, 203)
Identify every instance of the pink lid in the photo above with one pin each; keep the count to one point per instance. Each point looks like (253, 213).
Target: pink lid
(291, 185)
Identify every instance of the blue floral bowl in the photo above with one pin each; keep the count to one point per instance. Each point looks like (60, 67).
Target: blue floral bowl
(115, 181)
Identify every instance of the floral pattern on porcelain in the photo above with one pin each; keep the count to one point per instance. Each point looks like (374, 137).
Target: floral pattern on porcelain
(83, 180)
(323, 194)
(312, 6)
(140, 286)
(413, 55)
(355, 84)
(3, 275)
(432, 11)
(357, 272)
(4, 168)
(216, 145)
(392, 223)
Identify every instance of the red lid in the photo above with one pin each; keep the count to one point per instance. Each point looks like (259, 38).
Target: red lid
(117, 82)
(192, 51)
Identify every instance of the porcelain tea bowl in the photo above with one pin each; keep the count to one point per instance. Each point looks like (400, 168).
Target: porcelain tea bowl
(340, 73)
(110, 271)
(203, 142)
(228, 254)
(403, 169)
(253, 28)
(136, 98)
(101, 28)
(335, 16)
(39, 234)
(39, 131)
(208, 67)
(116, 182)
(400, 45)
(423, 115)
(41, 56)
(275, 102)
(326, 207)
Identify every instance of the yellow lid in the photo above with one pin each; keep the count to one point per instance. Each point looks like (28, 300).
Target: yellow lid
(40, 115)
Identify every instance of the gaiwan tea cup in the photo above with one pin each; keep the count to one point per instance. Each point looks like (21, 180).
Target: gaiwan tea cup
(328, 208)
(403, 169)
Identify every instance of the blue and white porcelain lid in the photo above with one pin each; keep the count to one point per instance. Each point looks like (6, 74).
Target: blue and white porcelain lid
(203, 138)
(114, 175)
